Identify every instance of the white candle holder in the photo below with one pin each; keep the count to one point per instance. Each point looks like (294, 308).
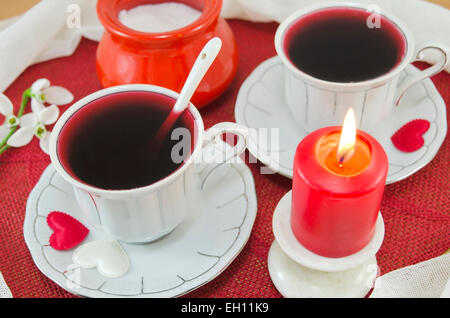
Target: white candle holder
(297, 272)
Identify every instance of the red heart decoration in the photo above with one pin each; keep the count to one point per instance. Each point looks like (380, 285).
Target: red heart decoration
(68, 232)
(409, 137)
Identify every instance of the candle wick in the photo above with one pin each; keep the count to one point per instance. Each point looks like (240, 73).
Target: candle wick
(341, 160)
(344, 156)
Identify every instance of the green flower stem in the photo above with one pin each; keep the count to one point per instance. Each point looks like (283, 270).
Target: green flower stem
(3, 149)
(25, 98)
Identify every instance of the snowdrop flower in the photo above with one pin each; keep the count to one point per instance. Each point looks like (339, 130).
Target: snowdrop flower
(33, 124)
(42, 92)
(7, 110)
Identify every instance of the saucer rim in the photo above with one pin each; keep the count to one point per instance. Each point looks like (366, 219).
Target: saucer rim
(37, 250)
(263, 156)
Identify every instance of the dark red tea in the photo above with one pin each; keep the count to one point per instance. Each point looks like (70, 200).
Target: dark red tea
(337, 45)
(109, 142)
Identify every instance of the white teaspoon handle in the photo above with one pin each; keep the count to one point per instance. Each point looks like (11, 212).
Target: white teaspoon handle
(198, 71)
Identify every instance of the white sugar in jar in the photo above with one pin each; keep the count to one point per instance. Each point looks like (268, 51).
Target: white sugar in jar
(158, 18)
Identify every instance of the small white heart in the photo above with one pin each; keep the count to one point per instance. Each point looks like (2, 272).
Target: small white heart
(108, 256)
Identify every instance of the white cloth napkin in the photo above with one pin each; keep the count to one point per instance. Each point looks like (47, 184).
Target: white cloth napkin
(23, 41)
(4, 290)
(429, 279)
(44, 33)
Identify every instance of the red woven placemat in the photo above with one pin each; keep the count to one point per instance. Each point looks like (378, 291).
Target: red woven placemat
(415, 210)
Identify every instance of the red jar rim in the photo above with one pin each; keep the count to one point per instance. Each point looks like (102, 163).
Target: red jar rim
(108, 14)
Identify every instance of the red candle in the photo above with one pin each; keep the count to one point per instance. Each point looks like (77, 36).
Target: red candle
(336, 193)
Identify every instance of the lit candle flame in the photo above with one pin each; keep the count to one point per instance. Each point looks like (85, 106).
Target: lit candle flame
(348, 138)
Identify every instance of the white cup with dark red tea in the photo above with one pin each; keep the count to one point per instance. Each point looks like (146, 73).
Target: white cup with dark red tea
(342, 55)
(135, 188)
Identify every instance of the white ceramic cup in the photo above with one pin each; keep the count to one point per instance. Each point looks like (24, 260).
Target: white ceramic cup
(147, 213)
(316, 103)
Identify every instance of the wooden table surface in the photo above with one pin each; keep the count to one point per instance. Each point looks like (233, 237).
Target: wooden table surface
(10, 8)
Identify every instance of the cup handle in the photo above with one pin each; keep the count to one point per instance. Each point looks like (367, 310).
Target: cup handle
(215, 153)
(432, 70)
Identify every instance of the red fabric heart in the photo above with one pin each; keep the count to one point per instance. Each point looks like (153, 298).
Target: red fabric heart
(409, 137)
(68, 232)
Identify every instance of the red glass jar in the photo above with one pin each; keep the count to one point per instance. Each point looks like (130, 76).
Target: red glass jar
(127, 56)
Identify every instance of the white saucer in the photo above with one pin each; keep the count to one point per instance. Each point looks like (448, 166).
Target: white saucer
(214, 232)
(261, 104)
(297, 252)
